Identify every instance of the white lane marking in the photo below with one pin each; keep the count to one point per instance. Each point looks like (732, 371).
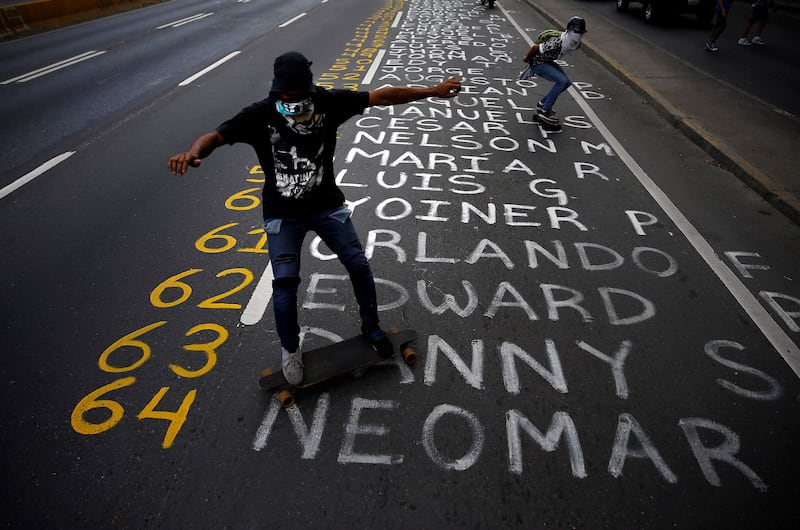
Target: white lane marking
(301, 15)
(35, 173)
(187, 20)
(259, 300)
(782, 343)
(396, 21)
(374, 67)
(53, 67)
(204, 71)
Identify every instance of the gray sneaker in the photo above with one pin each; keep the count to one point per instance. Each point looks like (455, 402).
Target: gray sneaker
(292, 365)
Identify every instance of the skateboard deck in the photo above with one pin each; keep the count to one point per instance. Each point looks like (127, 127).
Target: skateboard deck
(337, 359)
(546, 126)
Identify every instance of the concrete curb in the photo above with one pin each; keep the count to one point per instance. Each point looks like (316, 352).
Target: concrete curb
(754, 178)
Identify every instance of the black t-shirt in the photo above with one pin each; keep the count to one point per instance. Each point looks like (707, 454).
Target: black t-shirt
(297, 159)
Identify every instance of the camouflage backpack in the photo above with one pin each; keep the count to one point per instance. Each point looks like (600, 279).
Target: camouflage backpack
(546, 34)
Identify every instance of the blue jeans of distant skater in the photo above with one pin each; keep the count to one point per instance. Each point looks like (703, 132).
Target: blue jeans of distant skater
(285, 241)
(553, 73)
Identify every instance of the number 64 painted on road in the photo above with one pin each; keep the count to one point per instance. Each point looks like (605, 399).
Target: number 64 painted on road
(90, 402)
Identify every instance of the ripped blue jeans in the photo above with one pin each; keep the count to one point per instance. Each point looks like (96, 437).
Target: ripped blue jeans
(285, 241)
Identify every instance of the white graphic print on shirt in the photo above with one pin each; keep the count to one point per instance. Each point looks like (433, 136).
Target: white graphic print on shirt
(298, 161)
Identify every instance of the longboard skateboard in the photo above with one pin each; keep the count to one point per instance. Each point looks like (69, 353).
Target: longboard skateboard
(336, 359)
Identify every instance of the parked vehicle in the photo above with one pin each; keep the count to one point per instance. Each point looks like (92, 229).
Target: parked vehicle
(656, 10)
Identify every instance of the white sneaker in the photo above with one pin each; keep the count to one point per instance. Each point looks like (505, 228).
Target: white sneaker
(292, 366)
(745, 42)
(758, 40)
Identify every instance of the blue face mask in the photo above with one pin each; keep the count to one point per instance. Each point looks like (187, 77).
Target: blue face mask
(295, 108)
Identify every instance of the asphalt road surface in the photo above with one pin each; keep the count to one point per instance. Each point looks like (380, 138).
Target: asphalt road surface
(608, 321)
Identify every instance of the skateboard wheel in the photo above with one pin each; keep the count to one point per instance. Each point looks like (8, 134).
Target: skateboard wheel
(409, 355)
(286, 399)
(392, 330)
(266, 372)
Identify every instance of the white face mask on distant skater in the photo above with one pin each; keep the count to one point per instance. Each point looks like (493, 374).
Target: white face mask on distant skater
(570, 41)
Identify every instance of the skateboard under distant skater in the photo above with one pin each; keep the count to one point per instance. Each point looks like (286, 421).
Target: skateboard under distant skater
(336, 359)
(546, 126)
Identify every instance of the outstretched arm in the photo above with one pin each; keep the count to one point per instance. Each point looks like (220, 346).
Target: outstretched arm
(200, 149)
(392, 95)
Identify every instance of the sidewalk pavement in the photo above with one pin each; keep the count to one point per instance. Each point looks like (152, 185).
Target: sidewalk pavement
(754, 141)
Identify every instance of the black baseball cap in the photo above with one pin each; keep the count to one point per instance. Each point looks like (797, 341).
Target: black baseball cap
(292, 73)
(577, 24)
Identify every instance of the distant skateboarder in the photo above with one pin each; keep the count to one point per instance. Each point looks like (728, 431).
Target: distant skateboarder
(293, 132)
(550, 45)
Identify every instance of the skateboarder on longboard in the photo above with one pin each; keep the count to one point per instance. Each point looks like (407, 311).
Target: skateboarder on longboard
(293, 132)
(550, 45)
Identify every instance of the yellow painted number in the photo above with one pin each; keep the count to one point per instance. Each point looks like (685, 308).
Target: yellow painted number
(208, 348)
(90, 402)
(215, 242)
(175, 419)
(173, 282)
(214, 301)
(129, 340)
(224, 242)
(185, 290)
(260, 247)
(243, 200)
